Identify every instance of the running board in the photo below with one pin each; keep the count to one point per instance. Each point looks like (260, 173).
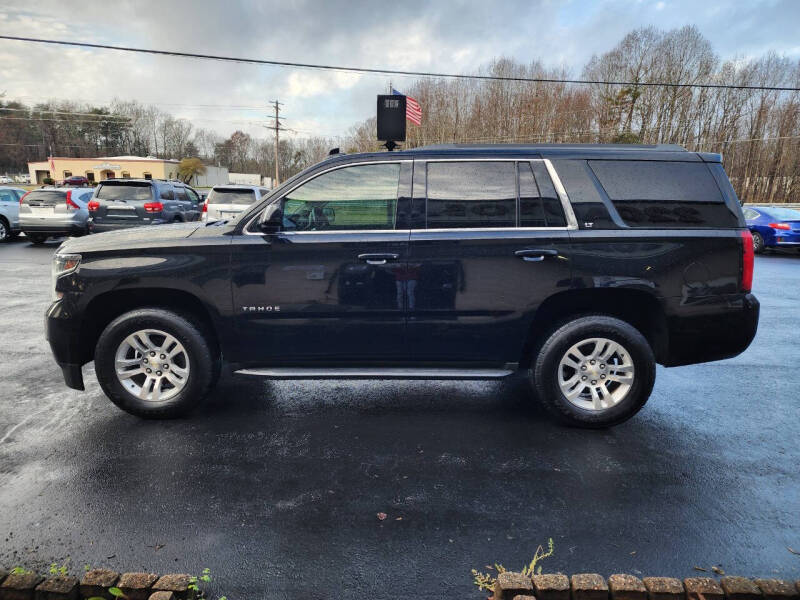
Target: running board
(376, 373)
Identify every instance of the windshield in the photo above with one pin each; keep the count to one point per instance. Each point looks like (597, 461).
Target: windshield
(784, 214)
(125, 192)
(231, 196)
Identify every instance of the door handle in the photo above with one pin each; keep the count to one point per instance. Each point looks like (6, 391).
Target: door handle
(535, 255)
(377, 259)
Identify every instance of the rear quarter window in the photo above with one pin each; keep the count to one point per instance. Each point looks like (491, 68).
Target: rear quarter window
(663, 194)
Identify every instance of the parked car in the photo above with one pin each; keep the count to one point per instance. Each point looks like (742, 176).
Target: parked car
(5, 179)
(773, 227)
(123, 203)
(54, 212)
(580, 267)
(226, 201)
(9, 212)
(76, 181)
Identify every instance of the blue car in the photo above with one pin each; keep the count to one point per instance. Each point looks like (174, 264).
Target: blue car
(773, 227)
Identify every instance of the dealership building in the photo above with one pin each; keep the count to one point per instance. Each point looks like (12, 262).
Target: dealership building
(120, 167)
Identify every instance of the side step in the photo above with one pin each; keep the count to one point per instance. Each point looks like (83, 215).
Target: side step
(376, 373)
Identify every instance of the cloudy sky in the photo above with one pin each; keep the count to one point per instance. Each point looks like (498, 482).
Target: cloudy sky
(442, 36)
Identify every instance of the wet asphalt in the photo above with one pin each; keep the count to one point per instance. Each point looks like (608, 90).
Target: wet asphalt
(276, 486)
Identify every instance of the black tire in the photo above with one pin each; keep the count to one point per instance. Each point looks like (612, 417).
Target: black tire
(758, 243)
(546, 366)
(200, 351)
(5, 231)
(37, 239)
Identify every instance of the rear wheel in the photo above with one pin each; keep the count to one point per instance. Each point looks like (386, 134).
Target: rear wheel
(5, 230)
(155, 363)
(594, 371)
(758, 243)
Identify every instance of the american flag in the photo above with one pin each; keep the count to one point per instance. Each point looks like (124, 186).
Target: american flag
(413, 109)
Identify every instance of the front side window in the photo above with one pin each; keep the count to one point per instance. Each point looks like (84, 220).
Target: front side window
(352, 198)
(469, 194)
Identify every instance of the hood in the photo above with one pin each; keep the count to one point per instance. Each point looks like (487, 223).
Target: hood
(135, 237)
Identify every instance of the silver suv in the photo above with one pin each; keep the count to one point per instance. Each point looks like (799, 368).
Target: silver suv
(226, 201)
(54, 212)
(9, 212)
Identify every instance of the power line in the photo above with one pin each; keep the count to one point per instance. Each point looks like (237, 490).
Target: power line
(380, 71)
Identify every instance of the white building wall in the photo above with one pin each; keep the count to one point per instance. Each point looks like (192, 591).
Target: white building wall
(213, 176)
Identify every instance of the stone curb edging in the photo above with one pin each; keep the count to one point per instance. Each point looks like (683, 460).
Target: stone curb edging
(591, 586)
(95, 583)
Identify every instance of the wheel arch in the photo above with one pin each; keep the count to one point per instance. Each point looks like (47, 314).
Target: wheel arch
(640, 308)
(105, 307)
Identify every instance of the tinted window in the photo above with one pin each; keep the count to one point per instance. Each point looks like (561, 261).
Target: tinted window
(358, 197)
(471, 194)
(180, 193)
(231, 196)
(130, 192)
(192, 195)
(586, 200)
(749, 213)
(664, 194)
(656, 180)
(553, 210)
(167, 193)
(45, 197)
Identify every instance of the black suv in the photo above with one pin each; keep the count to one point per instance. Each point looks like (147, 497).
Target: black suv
(122, 203)
(579, 266)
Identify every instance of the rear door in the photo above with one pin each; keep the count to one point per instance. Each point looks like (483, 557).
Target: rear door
(324, 288)
(491, 242)
(122, 202)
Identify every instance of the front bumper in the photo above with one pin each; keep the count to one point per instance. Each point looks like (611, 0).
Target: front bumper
(712, 328)
(62, 332)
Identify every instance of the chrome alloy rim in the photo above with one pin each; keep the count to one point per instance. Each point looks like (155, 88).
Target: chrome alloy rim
(3, 231)
(595, 374)
(152, 365)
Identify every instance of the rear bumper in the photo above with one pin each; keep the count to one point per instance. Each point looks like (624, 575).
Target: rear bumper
(56, 228)
(63, 335)
(709, 329)
(101, 227)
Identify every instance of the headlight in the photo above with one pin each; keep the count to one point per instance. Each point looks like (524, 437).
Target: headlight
(63, 264)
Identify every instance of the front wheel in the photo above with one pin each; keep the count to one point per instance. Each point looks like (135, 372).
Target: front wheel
(154, 363)
(37, 239)
(594, 371)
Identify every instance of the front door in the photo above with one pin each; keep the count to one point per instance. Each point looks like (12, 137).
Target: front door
(491, 243)
(324, 289)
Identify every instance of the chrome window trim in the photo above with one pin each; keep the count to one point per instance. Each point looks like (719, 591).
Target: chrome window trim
(572, 222)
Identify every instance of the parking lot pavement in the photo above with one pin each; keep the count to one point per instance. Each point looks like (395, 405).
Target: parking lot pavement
(276, 486)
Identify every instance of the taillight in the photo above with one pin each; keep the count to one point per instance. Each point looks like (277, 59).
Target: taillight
(93, 205)
(153, 207)
(70, 204)
(747, 261)
(782, 226)
(23, 198)
(205, 206)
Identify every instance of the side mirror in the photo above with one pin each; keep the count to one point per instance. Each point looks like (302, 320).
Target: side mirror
(272, 220)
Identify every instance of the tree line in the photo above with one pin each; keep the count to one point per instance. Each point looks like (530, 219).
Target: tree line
(757, 132)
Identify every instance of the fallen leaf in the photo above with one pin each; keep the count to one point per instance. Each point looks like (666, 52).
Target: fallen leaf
(634, 552)
(701, 569)
(399, 519)
(718, 570)
(382, 516)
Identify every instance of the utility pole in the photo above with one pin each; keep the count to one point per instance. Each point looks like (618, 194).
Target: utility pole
(276, 128)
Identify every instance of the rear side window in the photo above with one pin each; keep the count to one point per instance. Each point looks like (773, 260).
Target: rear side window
(539, 205)
(471, 194)
(663, 194)
(7, 196)
(584, 195)
(231, 196)
(167, 193)
(128, 192)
